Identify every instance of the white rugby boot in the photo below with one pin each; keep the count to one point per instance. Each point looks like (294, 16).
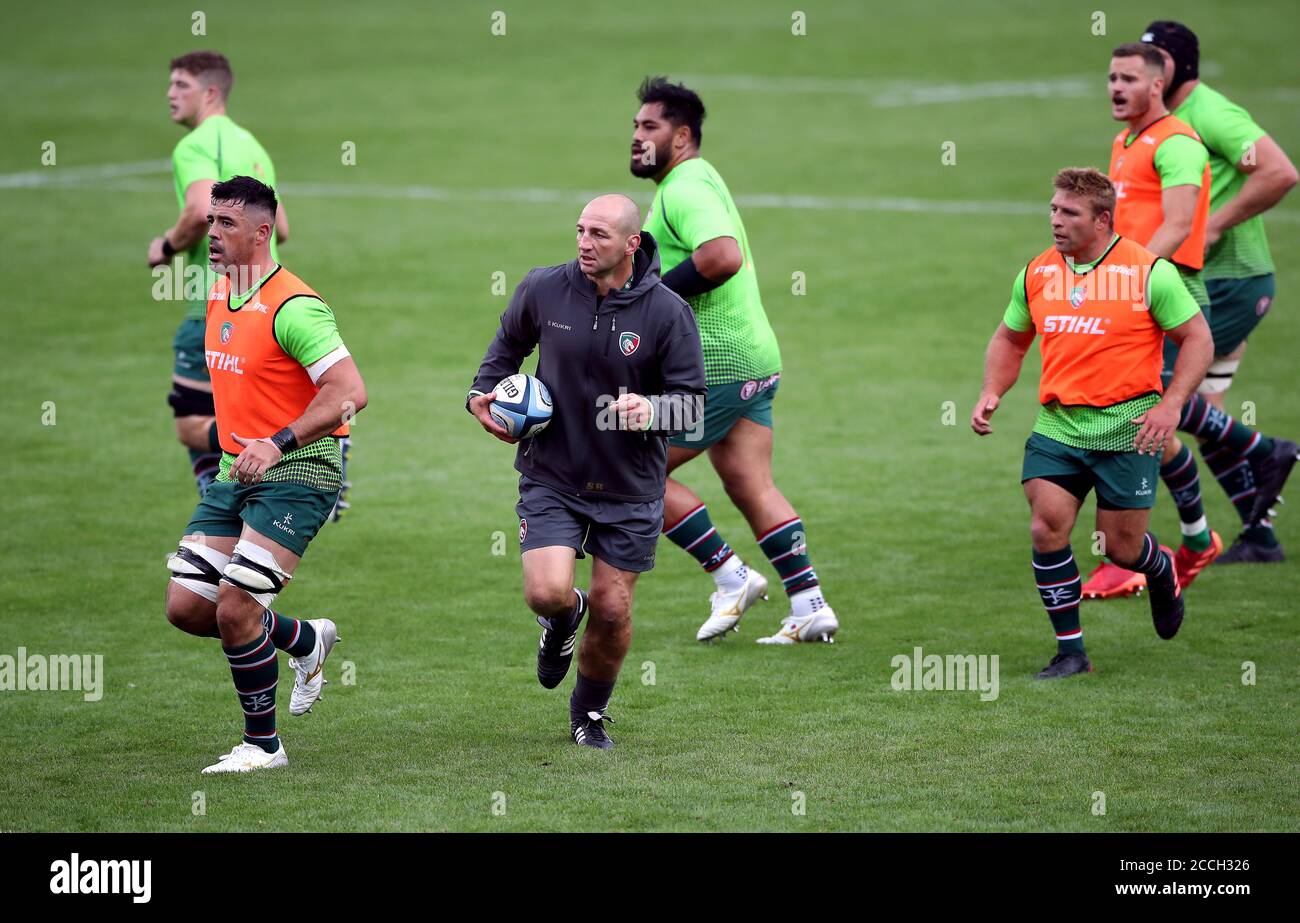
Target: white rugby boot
(729, 607)
(248, 757)
(308, 681)
(819, 626)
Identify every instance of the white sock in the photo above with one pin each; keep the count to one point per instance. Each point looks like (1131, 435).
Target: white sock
(730, 575)
(807, 602)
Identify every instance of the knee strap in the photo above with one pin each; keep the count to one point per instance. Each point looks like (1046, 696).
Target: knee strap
(254, 570)
(198, 568)
(1219, 378)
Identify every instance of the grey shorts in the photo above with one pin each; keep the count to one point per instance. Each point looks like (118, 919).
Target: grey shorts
(622, 534)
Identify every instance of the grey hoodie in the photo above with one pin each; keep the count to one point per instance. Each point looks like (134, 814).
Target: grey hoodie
(642, 339)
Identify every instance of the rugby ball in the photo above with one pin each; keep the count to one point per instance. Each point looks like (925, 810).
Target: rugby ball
(522, 405)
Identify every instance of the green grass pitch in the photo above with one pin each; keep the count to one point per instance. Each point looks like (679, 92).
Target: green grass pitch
(473, 154)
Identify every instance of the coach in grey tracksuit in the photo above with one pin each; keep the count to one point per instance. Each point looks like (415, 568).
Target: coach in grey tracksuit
(621, 356)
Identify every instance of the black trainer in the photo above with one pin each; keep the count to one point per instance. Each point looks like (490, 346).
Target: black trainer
(1166, 600)
(1271, 473)
(1063, 665)
(555, 651)
(589, 730)
(1246, 549)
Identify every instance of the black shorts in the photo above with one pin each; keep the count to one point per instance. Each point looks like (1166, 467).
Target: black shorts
(622, 534)
(190, 402)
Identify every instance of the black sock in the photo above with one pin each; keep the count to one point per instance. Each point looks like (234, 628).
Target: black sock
(589, 695)
(1153, 562)
(1057, 578)
(1184, 482)
(1218, 428)
(296, 637)
(255, 669)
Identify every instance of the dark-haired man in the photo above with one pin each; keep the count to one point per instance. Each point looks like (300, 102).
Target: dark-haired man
(215, 149)
(1161, 174)
(284, 389)
(1103, 306)
(706, 260)
(1250, 174)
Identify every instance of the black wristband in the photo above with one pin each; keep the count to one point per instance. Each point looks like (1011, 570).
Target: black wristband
(686, 280)
(469, 397)
(285, 440)
(168, 250)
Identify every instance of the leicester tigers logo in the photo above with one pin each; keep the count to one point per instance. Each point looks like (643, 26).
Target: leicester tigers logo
(628, 342)
(1057, 596)
(226, 330)
(523, 530)
(1076, 296)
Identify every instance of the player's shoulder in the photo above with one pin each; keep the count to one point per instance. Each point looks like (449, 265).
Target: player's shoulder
(287, 286)
(545, 276)
(238, 129)
(695, 172)
(196, 137)
(1182, 142)
(1176, 127)
(1207, 100)
(1213, 113)
(701, 166)
(245, 136)
(1127, 251)
(204, 138)
(699, 185)
(545, 284)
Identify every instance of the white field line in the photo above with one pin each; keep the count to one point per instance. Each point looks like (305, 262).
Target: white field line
(890, 94)
(126, 176)
(71, 176)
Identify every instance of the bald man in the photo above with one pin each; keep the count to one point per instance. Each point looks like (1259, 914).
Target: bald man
(621, 356)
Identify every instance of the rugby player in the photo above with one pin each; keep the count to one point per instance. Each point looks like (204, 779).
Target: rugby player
(592, 482)
(1103, 306)
(706, 259)
(1161, 175)
(1250, 174)
(284, 388)
(214, 149)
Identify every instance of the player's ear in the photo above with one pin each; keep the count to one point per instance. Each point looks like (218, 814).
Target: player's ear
(633, 243)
